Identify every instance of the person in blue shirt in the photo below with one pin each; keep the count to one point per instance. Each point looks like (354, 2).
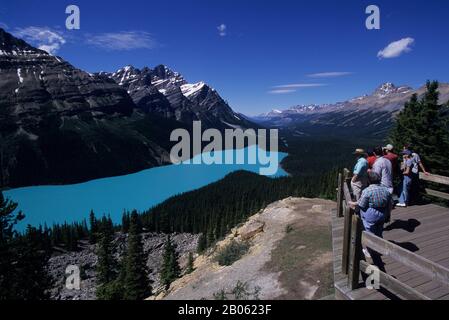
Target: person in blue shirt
(360, 174)
(407, 172)
(374, 205)
(374, 208)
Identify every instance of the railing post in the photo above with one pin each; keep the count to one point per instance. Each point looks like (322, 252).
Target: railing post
(347, 175)
(355, 253)
(340, 196)
(348, 214)
(346, 238)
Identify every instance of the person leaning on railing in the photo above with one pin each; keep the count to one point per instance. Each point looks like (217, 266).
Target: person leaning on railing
(359, 179)
(374, 205)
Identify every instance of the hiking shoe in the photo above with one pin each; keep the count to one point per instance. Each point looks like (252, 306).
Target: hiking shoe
(366, 253)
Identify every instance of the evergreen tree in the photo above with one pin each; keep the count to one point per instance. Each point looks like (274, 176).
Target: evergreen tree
(32, 280)
(137, 221)
(93, 228)
(8, 219)
(190, 264)
(106, 267)
(202, 244)
(23, 258)
(424, 124)
(136, 285)
(170, 266)
(210, 237)
(125, 222)
(73, 239)
(7, 222)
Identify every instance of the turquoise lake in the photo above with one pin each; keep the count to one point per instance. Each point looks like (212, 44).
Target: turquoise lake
(140, 191)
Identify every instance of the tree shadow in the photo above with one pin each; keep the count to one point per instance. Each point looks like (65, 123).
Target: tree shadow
(410, 225)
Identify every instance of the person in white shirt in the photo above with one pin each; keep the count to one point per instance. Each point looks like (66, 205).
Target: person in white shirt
(384, 169)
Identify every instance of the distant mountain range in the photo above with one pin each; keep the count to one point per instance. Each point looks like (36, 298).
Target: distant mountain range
(371, 115)
(59, 124)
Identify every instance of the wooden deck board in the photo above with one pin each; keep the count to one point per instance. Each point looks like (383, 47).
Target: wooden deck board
(429, 238)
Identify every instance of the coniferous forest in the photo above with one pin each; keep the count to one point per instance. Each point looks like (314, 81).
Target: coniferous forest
(215, 209)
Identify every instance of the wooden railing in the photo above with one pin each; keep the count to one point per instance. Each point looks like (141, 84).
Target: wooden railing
(354, 238)
(435, 179)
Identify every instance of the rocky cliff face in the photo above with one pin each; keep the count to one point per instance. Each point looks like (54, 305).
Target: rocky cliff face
(59, 124)
(166, 92)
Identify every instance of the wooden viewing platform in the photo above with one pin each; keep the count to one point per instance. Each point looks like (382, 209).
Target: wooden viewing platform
(415, 250)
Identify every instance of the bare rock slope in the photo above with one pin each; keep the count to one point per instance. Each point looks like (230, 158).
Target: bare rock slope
(289, 257)
(86, 259)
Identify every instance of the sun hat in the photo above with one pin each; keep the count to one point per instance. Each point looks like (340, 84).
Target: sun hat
(359, 151)
(407, 152)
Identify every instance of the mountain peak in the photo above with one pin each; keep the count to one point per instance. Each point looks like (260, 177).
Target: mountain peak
(163, 72)
(10, 45)
(386, 87)
(125, 69)
(125, 74)
(389, 88)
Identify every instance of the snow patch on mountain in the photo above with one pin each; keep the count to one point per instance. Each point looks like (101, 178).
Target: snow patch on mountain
(19, 75)
(190, 89)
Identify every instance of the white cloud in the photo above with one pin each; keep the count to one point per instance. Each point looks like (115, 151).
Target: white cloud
(42, 37)
(329, 74)
(222, 30)
(396, 48)
(300, 85)
(290, 88)
(282, 91)
(3, 25)
(124, 40)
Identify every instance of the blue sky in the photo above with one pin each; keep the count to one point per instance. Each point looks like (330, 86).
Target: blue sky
(259, 55)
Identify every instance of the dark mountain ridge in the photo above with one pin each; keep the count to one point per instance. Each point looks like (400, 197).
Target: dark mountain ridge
(59, 124)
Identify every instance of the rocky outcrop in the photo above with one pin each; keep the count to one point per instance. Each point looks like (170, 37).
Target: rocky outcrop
(290, 257)
(86, 260)
(251, 229)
